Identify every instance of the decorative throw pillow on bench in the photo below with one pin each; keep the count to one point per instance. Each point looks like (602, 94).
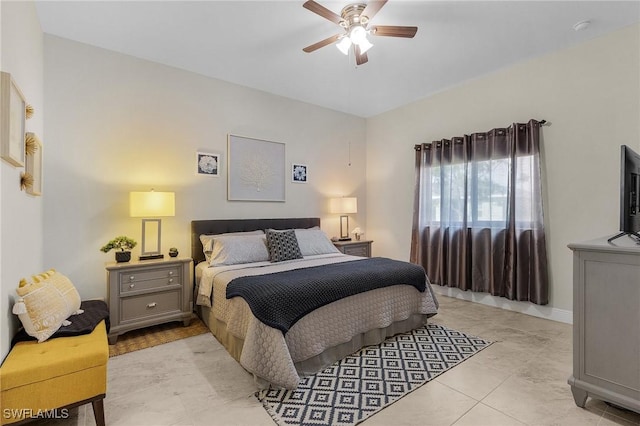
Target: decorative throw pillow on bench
(45, 303)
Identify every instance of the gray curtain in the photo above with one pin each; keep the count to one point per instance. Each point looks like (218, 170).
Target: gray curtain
(478, 218)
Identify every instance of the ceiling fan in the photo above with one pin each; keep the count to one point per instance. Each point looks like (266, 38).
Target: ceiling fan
(354, 19)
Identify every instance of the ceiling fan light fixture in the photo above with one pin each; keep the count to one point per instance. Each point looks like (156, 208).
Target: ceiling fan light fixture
(365, 45)
(354, 19)
(358, 34)
(344, 44)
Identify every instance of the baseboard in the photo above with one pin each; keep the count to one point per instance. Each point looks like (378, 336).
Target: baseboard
(546, 312)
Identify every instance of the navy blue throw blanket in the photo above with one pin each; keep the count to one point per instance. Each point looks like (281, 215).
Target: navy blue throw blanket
(84, 323)
(280, 299)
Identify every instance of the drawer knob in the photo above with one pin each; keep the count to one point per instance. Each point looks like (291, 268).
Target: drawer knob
(132, 277)
(132, 285)
(170, 272)
(170, 280)
(151, 305)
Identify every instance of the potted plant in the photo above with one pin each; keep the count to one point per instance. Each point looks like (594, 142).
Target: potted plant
(125, 244)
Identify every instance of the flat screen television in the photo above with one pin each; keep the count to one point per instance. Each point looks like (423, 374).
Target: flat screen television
(629, 194)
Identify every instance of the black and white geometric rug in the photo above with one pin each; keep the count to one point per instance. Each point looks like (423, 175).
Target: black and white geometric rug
(365, 382)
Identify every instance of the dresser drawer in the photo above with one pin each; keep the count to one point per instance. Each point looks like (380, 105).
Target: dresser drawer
(151, 279)
(357, 250)
(146, 305)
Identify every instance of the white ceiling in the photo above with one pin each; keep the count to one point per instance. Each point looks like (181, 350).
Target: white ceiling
(259, 43)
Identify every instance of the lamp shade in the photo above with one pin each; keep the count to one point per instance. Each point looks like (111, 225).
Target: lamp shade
(365, 45)
(343, 205)
(344, 44)
(152, 204)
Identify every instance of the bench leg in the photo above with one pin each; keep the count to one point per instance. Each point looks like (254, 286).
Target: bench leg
(98, 411)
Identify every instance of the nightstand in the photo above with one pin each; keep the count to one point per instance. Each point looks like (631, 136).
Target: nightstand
(148, 292)
(354, 248)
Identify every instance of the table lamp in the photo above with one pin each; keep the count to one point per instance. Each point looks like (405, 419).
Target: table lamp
(151, 204)
(344, 206)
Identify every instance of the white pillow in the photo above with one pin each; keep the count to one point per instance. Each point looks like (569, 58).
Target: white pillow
(234, 249)
(207, 241)
(314, 241)
(46, 303)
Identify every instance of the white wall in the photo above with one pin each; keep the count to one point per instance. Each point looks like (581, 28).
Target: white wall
(590, 93)
(117, 124)
(20, 214)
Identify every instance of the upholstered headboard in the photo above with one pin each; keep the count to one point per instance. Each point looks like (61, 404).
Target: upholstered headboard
(222, 226)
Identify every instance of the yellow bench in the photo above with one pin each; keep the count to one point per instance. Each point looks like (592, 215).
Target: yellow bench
(45, 380)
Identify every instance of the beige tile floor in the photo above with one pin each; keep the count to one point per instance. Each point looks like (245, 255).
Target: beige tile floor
(519, 380)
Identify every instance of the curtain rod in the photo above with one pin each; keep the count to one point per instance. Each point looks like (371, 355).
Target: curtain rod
(542, 122)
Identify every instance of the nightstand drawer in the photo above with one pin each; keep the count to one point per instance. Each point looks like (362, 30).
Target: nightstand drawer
(152, 279)
(357, 250)
(147, 305)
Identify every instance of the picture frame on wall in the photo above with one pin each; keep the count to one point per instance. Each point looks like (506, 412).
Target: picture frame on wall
(255, 169)
(12, 121)
(299, 173)
(33, 167)
(208, 164)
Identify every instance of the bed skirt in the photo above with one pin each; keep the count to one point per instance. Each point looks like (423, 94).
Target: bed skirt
(233, 344)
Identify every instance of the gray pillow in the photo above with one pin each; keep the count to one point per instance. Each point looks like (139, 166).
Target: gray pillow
(282, 245)
(314, 241)
(234, 249)
(207, 240)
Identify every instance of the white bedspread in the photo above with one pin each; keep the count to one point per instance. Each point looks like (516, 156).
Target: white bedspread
(271, 355)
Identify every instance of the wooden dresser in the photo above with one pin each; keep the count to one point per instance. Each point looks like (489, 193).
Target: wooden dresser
(606, 322)
(149, 292)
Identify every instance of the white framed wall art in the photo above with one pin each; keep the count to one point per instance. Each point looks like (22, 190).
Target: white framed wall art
(256, 169)
(12, 121)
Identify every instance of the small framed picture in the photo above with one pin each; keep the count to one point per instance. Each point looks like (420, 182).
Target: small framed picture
(12, 121)
(299, 173)
(208, 164)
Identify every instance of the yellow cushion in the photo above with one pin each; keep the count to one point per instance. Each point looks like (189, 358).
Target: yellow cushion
(43, 376)
(45, 303)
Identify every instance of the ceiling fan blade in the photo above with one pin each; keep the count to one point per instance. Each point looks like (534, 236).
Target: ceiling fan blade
(322, 11)
(372, 8)
(393, 31)
(322, 43)
(361, 58)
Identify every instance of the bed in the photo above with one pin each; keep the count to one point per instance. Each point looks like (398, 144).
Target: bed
(279, 355)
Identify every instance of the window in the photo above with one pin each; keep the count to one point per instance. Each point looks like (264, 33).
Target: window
(478, 224)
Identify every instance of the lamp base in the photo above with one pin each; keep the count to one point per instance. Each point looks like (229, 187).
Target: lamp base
(344, 239)
(152, 256)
